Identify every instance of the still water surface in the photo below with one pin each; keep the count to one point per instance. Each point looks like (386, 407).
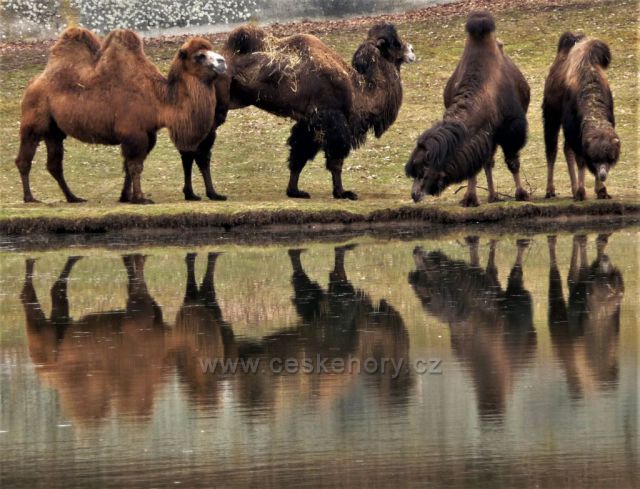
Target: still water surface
(508, 362)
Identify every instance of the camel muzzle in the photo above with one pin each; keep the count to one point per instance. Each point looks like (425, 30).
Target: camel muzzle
(602, 173)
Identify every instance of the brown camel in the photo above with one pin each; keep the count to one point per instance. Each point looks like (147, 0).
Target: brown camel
(111, 93)
(334, 104)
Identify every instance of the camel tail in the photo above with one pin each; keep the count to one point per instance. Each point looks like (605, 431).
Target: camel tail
(480, 24)
(246, 39)
(77, 37)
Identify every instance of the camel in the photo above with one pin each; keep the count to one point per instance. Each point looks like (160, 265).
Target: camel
(110, 93)
(577, 97)
(486, 101)
(334, 105)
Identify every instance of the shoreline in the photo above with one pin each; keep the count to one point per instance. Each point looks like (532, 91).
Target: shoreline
(509, 215)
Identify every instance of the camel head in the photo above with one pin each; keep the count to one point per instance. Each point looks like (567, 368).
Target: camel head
(602, 149)
(197, 58)
(430, 160)
(383, 39)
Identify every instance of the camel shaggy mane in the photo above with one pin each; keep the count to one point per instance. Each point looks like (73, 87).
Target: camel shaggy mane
(578, 98)
(334, 104)
(486, 100)
(110, 93)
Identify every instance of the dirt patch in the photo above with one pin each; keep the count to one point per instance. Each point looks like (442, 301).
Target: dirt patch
(17, 54)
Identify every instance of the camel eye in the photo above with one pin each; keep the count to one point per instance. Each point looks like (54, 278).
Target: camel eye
(199, 57)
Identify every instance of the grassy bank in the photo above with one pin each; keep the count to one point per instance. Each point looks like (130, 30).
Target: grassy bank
(250, 156)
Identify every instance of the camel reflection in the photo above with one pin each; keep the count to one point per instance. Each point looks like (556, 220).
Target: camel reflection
(491, 329)
(343, 323)
(114, 362)
(100, 362)
(585, 333)
(200, 332)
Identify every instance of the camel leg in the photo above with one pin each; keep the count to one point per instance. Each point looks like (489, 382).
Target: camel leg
(557, 309)
(578, 251)
(33, 311)
(304, 147)
(187, 164)
(552, 122)
(580, 193)
(203, 160)
(28, 146)
(488, 171)
(127, 190)
(513, 163)
(571, 167)
(470, 198)
(55, 154)
(601, 190)
(335, 167)
(135, 148)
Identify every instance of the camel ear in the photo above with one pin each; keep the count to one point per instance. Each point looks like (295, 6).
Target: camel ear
(364, 59)
(382, 44)
(182, 54)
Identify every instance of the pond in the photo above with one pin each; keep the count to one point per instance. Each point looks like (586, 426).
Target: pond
(466, 360)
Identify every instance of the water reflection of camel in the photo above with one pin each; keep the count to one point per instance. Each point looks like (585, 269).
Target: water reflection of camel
(115, 359)
(102, 361)
(584, 333)
(491, 329)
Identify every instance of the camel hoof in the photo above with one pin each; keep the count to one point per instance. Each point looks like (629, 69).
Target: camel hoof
(76, 200)
(192, 197)
(521, 195)
(345, 194)
(215, 196)
(523, 243)
(550, 194)
(31, 200)
(470, 201)
(580, 195)
(298, 194)
(142, 201)
(603, 194)
(494, 198)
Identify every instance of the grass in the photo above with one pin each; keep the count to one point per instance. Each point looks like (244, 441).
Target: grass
(249, 159)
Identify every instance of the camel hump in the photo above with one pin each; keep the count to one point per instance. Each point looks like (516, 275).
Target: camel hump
(124, 38)
(568, 40)
(480, 24)
(246, 39)
(598, 53)
(74, 38)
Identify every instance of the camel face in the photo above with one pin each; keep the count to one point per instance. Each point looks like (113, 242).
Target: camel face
(409, 55)
(200, 60)
(212, 60)
(392, 48)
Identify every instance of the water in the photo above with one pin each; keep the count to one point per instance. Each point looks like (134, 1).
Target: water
(509, 361)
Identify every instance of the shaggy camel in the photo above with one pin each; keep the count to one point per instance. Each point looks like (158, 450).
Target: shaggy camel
(578, 98)
(110, 93)
(486, 100)
(334, 104)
